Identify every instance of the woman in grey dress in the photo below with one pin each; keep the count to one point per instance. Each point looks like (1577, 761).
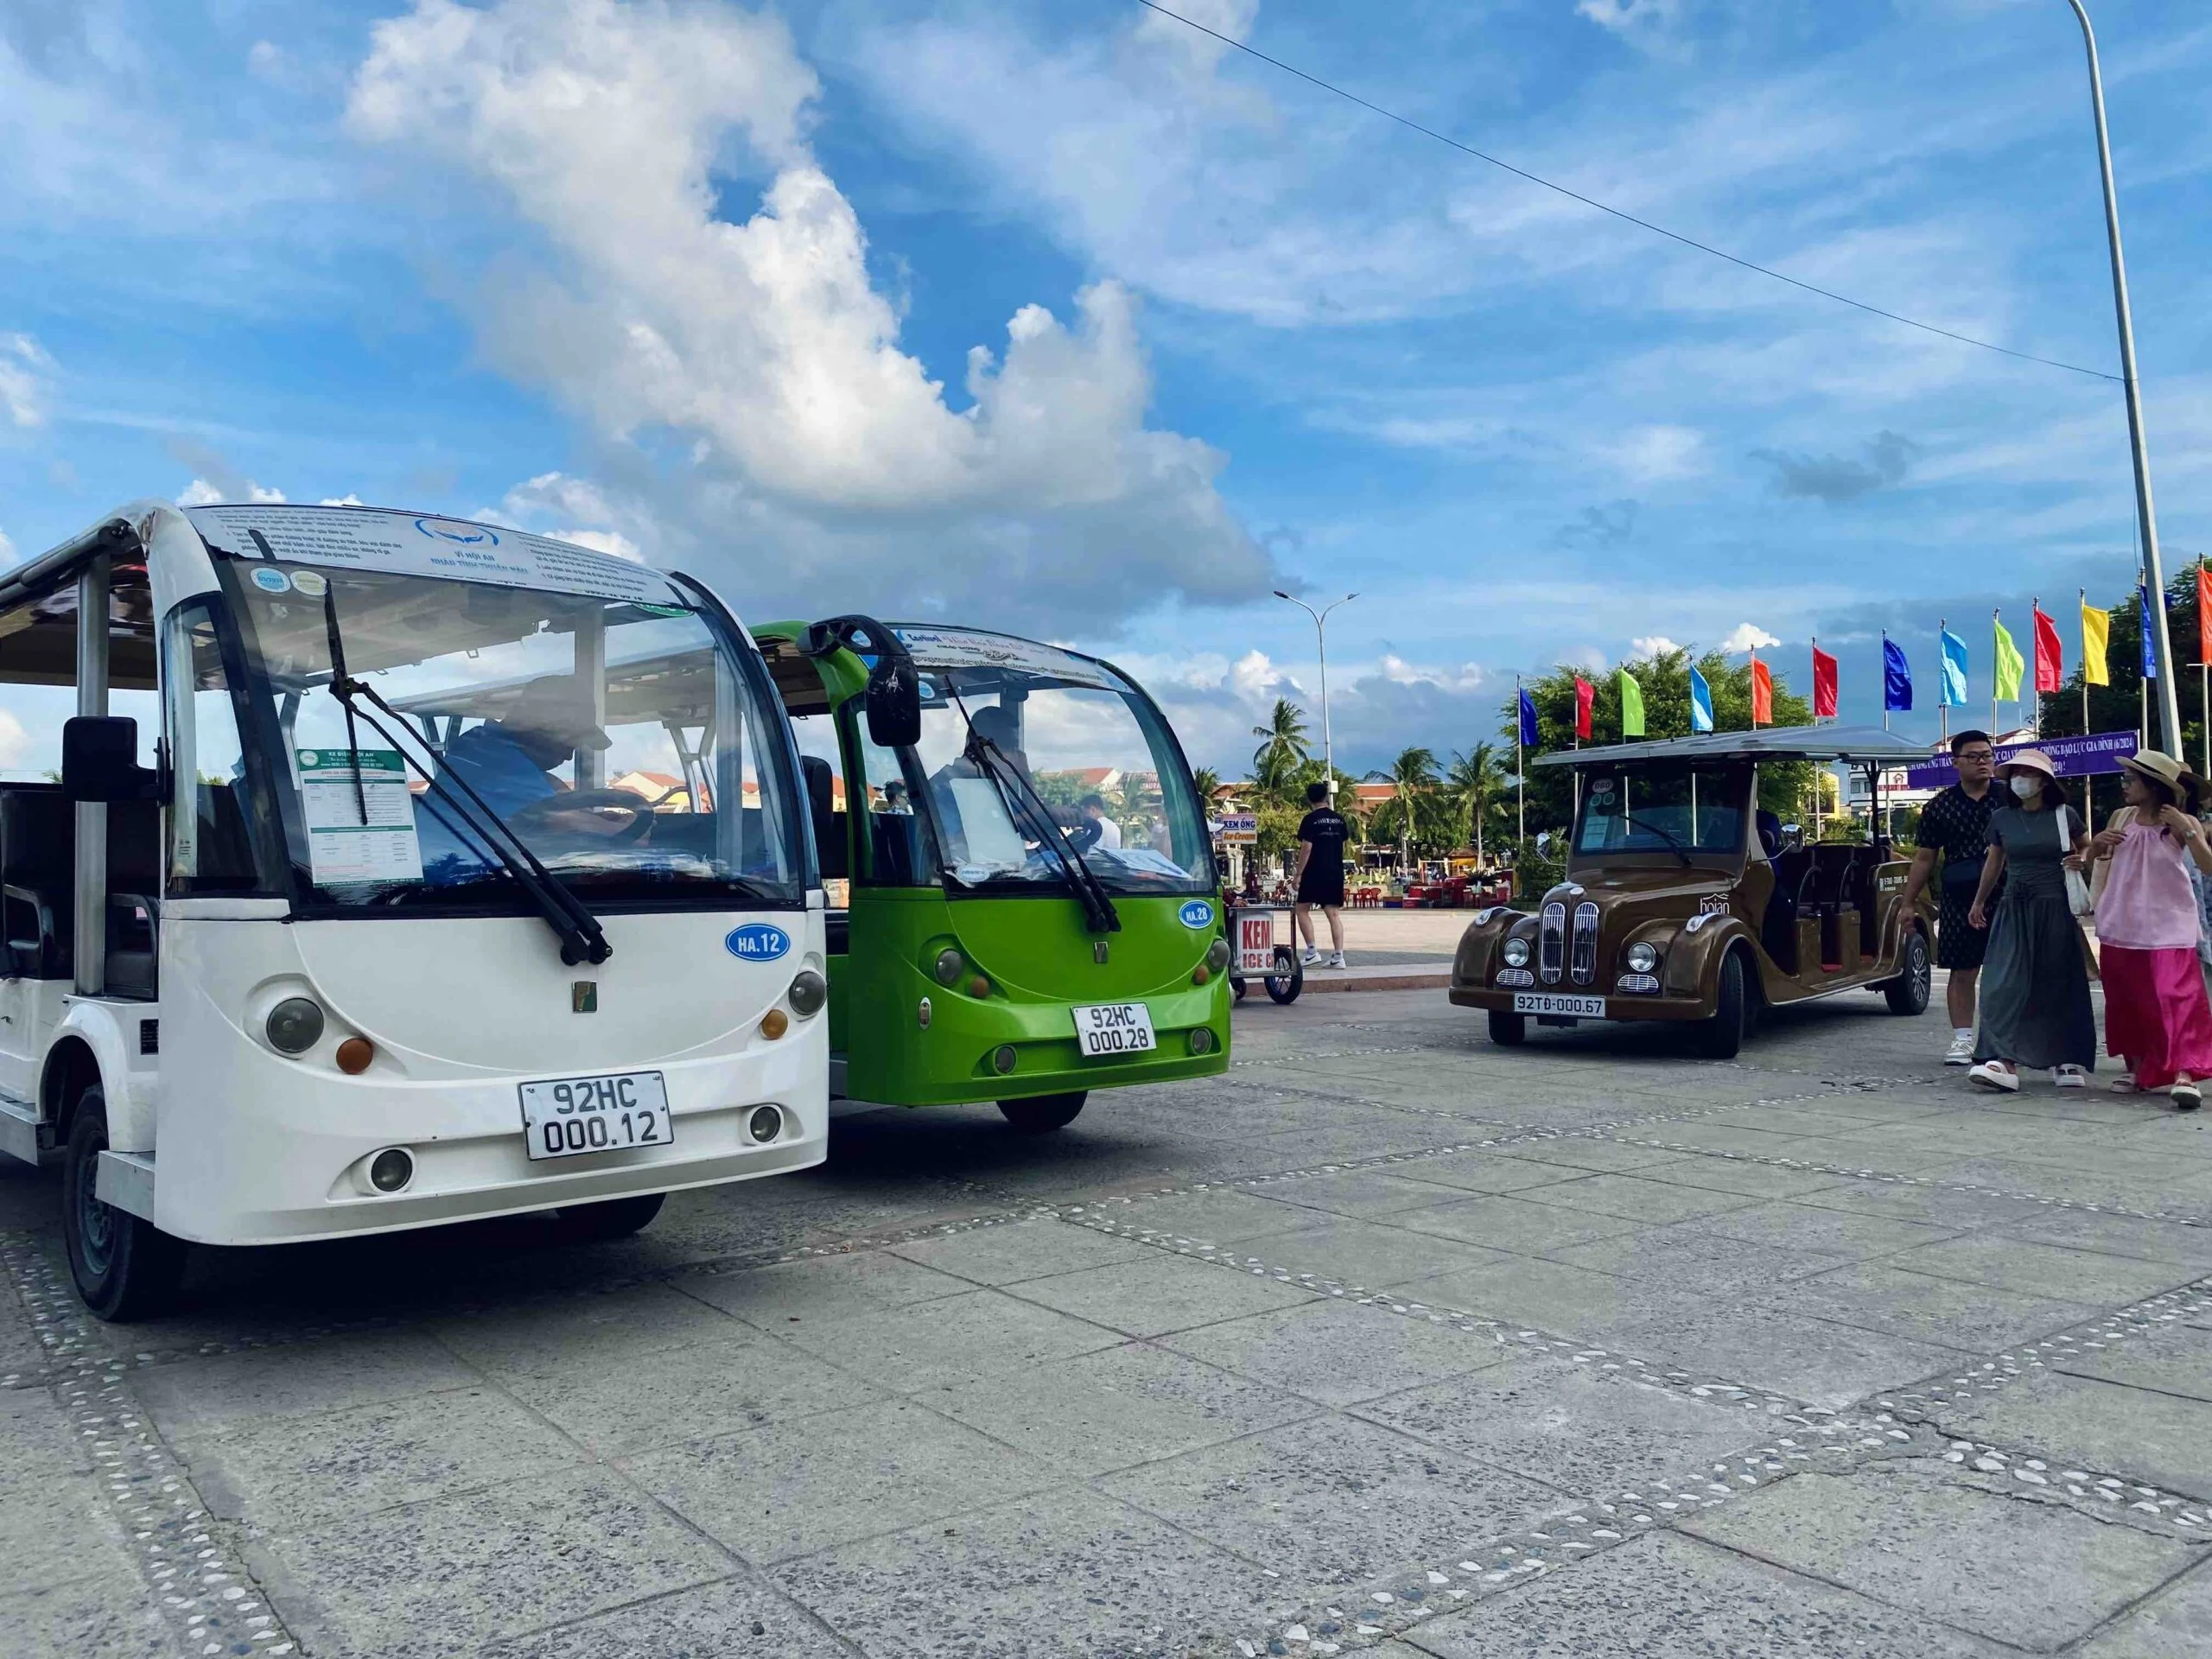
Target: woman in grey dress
(2035, 980)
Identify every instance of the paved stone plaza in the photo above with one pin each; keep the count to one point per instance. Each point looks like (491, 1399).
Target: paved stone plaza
(1389, 1341)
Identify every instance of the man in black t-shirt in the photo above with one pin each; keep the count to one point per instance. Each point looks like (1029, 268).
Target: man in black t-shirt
(1956, 824)
(1321, 836)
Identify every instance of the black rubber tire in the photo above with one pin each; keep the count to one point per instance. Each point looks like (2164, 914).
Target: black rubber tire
(609, 1219)
(1041, 1113)
(1721, 1037)
(1508, 1030)
(1909, 992)
(125, 1269)
(1284, 985)
(1238, 986)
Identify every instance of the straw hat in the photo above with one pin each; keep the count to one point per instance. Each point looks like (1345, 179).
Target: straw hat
(2030, 760)
(2162, 769)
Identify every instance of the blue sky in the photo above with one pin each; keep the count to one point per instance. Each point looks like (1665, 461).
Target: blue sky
(1065, 319)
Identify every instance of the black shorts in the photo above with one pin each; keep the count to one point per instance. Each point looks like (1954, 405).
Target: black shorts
(1959, 943)
(1321, 887)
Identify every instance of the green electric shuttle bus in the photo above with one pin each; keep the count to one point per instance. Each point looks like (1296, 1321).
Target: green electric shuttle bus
(1023, 904)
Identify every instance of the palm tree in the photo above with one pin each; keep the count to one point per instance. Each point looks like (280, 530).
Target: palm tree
(1472, 785)
(1413, 780)
(1207, 782)
(1282, 750)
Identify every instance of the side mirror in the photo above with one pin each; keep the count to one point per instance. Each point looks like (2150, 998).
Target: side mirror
(99, 761)
(894, 703)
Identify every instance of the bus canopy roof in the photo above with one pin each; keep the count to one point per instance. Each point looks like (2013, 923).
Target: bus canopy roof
(1858, 745)
(936, 647)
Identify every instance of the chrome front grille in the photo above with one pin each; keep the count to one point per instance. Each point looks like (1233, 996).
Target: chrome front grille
(1551, 941)
(1585, 958)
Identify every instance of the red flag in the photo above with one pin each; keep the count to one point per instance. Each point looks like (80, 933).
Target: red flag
(2050, 674)
(1762, 693)
(2203, 613)
(1823, 684)
(1584, 694)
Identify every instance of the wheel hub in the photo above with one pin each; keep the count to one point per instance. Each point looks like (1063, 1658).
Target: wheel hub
(95, 1220)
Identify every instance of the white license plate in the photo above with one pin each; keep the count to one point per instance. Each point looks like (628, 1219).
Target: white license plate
(1110, 1029)
(1546, 1003)
(569, 1115)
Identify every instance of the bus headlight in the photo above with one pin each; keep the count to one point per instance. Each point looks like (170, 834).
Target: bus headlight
(808, 993)
(1515, 952)
(1217, 955)
(950, 963)
(294, 1025)
(1641, 957)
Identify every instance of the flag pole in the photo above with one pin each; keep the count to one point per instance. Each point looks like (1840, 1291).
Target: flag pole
(1942, 689)
(1886, 679)
(2204, 670)
(1996, 622)
(1520, 767)
(2035, 633)
(2089, 780)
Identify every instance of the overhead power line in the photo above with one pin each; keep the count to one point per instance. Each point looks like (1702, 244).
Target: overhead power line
(1591, 201)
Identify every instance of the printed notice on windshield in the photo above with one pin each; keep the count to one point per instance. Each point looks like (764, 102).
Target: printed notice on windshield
(364, 834)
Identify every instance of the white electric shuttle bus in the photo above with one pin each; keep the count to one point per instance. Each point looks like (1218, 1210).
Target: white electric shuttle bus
(292, 964)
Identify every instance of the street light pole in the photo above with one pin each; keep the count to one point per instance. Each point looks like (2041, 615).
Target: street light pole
(2153, 577)
(1321, 646)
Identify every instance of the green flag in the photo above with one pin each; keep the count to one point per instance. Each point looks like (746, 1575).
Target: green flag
(1631, 706)
(2009, 666)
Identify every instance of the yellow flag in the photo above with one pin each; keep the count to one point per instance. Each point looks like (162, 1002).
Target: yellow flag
(2096, 625)
(2009, 667)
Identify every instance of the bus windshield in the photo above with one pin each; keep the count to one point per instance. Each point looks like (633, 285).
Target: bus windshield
(662, 781)
(1110, 779)
(1681, 810)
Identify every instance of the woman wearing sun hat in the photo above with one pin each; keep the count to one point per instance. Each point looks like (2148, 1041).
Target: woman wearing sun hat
(2035, 980)
(2156, 1018)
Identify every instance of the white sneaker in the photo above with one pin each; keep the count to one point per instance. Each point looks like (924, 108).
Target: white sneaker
(1311, 957)
(1960, 1051)
(1336, 960)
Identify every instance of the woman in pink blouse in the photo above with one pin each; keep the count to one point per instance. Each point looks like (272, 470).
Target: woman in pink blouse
(2156, 1018)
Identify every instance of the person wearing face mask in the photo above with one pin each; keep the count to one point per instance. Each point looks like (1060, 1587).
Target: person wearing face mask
(2034, 979)
(2156, 1018)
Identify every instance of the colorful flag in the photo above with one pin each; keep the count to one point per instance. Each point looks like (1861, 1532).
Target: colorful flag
(1954, 671)
(2203, 613)
(2096, 630)
(1896, 678)
(2150, 651)
(1584, 695)
(1762, 693)
(2050, 671)
(1823, 684)
(1528, 720)
(2009, 667)
(1701, 701)
(1631, 706)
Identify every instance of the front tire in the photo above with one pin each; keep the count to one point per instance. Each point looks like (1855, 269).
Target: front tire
(1909, 992)
(609, 1219)
(124, 1268)
(1508, 1030)
(1041, 1113)
(1721, 1037)
(1290, 977)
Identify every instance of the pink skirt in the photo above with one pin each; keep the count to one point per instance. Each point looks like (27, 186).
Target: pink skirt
(2155, 1013)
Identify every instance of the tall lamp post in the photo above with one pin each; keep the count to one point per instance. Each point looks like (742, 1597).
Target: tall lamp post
(1321, 646)
(2153, 577)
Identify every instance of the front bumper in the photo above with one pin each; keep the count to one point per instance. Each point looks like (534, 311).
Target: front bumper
(1498, 999)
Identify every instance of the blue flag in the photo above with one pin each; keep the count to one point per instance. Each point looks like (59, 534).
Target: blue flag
(2150, 652)
(1896, 678)
(1701, 701)
(1528, 720)
(1954, 671)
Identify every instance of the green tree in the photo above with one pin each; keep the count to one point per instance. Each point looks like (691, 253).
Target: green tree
(1283, 750)
(1417, 815)
(1207, 782)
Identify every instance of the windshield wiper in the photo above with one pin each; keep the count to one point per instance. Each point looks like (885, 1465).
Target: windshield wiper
(1673, 845)
(582, 938)
(1097, 908)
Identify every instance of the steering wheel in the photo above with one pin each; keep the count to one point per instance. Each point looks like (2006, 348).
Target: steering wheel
(589, 800)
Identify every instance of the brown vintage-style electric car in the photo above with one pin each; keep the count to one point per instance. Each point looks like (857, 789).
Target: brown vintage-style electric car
(1681, 901)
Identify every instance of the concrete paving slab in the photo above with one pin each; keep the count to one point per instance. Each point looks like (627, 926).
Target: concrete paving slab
(1150, 1299)
(1486, 1172)
(1552, 1297)
(1119, 1407)
(456, 1575)
(296, 1379)
(106, 1613)
(2035, 1575)
(2129, 1235)
(614, 1403)
(1591, 1154)
(1813, 1360)
(1007, 1254)
(1583, 1433)
(1722, 1174)
(736, 1616)
(1371, 1254)
(792, 1488)
(2109, 1428)
(1640, 1197)
(2175, 1359)
(54, 1519)
(313, 1468)
(2176, 1621)
(1332, 1504)
(1339, 1352)
(1875, 1296)
(949, 1340)
(1366, 1193)
(1686, 1259)
(820, 1289)
(1811, 1223)
(1664, 1596)
(2014, 1263)
(1946, 1211)
(1065, 1574)
(1515, 1224)
(1220, 1215)
(542, 1338)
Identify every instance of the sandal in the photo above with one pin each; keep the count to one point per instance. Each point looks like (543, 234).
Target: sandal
(2125, 1084)
(2070, 1077)
(1995, 1074)
(2186, 1097)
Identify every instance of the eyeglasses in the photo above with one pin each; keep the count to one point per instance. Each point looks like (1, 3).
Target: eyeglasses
(1982, 755)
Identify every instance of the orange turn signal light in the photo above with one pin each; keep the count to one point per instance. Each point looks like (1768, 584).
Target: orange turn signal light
(1199, 975)
(774, 1024)
(354, 1054)
(979, 986)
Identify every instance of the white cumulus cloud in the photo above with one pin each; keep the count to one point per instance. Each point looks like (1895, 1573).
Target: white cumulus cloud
(24, 368)
(1652, 644)
(1748, 637)
(201, 493)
